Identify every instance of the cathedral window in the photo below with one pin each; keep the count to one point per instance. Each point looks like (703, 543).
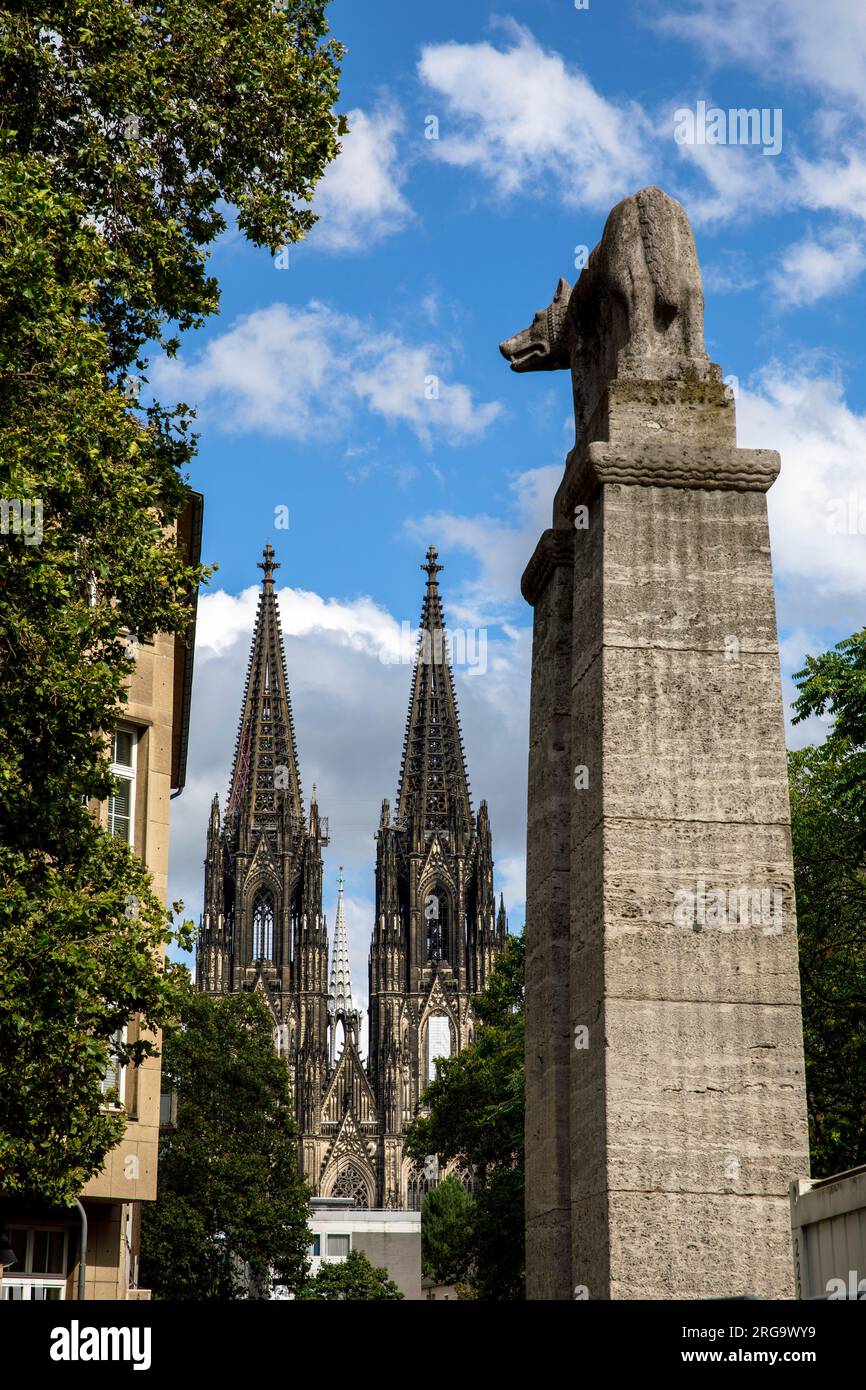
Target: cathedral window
(438, 1042)
(436, 914)
(418, 1183)
(350, 1183)
(263, 927)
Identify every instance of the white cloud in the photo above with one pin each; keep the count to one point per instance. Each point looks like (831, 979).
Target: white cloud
(836, 185)
(521, 115)
(305, 373)
(359, 201)
(823, 45)
(813, 268)
(741, 181)
(819, 557)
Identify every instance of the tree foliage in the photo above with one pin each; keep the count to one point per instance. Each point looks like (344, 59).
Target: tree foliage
(475, 1114)
(127, 130)
(447, 1219)
(828, 821)
(158, 114)
(353, 1278)
(834, 685)
(231, 1211)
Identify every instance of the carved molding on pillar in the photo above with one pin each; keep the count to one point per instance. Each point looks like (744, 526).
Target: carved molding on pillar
(554, 551)
(706, 467)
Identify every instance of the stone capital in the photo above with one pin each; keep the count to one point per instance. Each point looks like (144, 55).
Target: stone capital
(665, 464)
(555, 550)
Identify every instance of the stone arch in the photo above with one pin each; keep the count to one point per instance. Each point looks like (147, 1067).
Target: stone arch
(437, 896)
(262, 884)
(415, 1183)
(263, 924)
(349, 1177)
(438, 1041)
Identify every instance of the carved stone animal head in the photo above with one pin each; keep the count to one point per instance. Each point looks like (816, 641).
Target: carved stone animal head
(543, 346)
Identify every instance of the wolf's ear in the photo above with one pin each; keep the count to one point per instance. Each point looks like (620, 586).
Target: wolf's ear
(563, 290)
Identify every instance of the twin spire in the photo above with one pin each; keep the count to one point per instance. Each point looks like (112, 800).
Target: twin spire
(266, 755)
(433, 782)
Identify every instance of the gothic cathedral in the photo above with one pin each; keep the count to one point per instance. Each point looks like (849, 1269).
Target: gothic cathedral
(435, 935)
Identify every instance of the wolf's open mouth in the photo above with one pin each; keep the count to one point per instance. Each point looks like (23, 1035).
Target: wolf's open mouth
(518, 355)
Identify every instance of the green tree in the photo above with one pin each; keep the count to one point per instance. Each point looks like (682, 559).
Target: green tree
(352, 1278)
(475, 1114)
(158, 114)
(834, 685)
(230, 1196)
(828, 821)
(446, 1232)
(831, 917)
(126, 131)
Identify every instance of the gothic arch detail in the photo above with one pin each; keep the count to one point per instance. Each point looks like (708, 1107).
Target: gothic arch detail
(348, 1180)
(263, 925)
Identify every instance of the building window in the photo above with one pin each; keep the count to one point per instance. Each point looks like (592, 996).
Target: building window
(339, 1247)
(438, 1042)
(114, 1075)
(315, 1247)
(121, 805)
(40, 1272)
(43, 1290)
(263, 927)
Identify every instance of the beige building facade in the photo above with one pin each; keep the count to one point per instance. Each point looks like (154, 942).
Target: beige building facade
(149, 761)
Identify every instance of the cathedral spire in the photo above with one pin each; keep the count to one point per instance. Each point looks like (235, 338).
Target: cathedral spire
(266, 734)
(433, 782)
(340, 999)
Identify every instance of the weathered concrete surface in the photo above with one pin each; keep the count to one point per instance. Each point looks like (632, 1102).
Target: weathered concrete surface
(660, 1140)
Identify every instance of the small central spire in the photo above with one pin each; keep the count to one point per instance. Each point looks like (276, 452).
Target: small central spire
(268, 564)
(431, 566)
(340, 1005)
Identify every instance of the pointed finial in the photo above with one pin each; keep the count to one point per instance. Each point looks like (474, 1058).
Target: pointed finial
(314, 799)
(268, 564)
(431, 566)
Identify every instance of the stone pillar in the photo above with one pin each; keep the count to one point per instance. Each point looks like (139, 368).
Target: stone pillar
(665, 1084)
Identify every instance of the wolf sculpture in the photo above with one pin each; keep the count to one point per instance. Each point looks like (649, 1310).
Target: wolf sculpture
(637, 310)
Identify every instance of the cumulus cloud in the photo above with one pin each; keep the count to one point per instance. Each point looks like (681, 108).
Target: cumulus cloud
(304, 372)
(814, 268)
(360, 201)
(738, 182)
(822, 45)
(520, 114)
(837, 185)
(816, 505)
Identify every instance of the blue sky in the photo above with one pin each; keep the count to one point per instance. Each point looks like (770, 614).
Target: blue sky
(313, 387)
